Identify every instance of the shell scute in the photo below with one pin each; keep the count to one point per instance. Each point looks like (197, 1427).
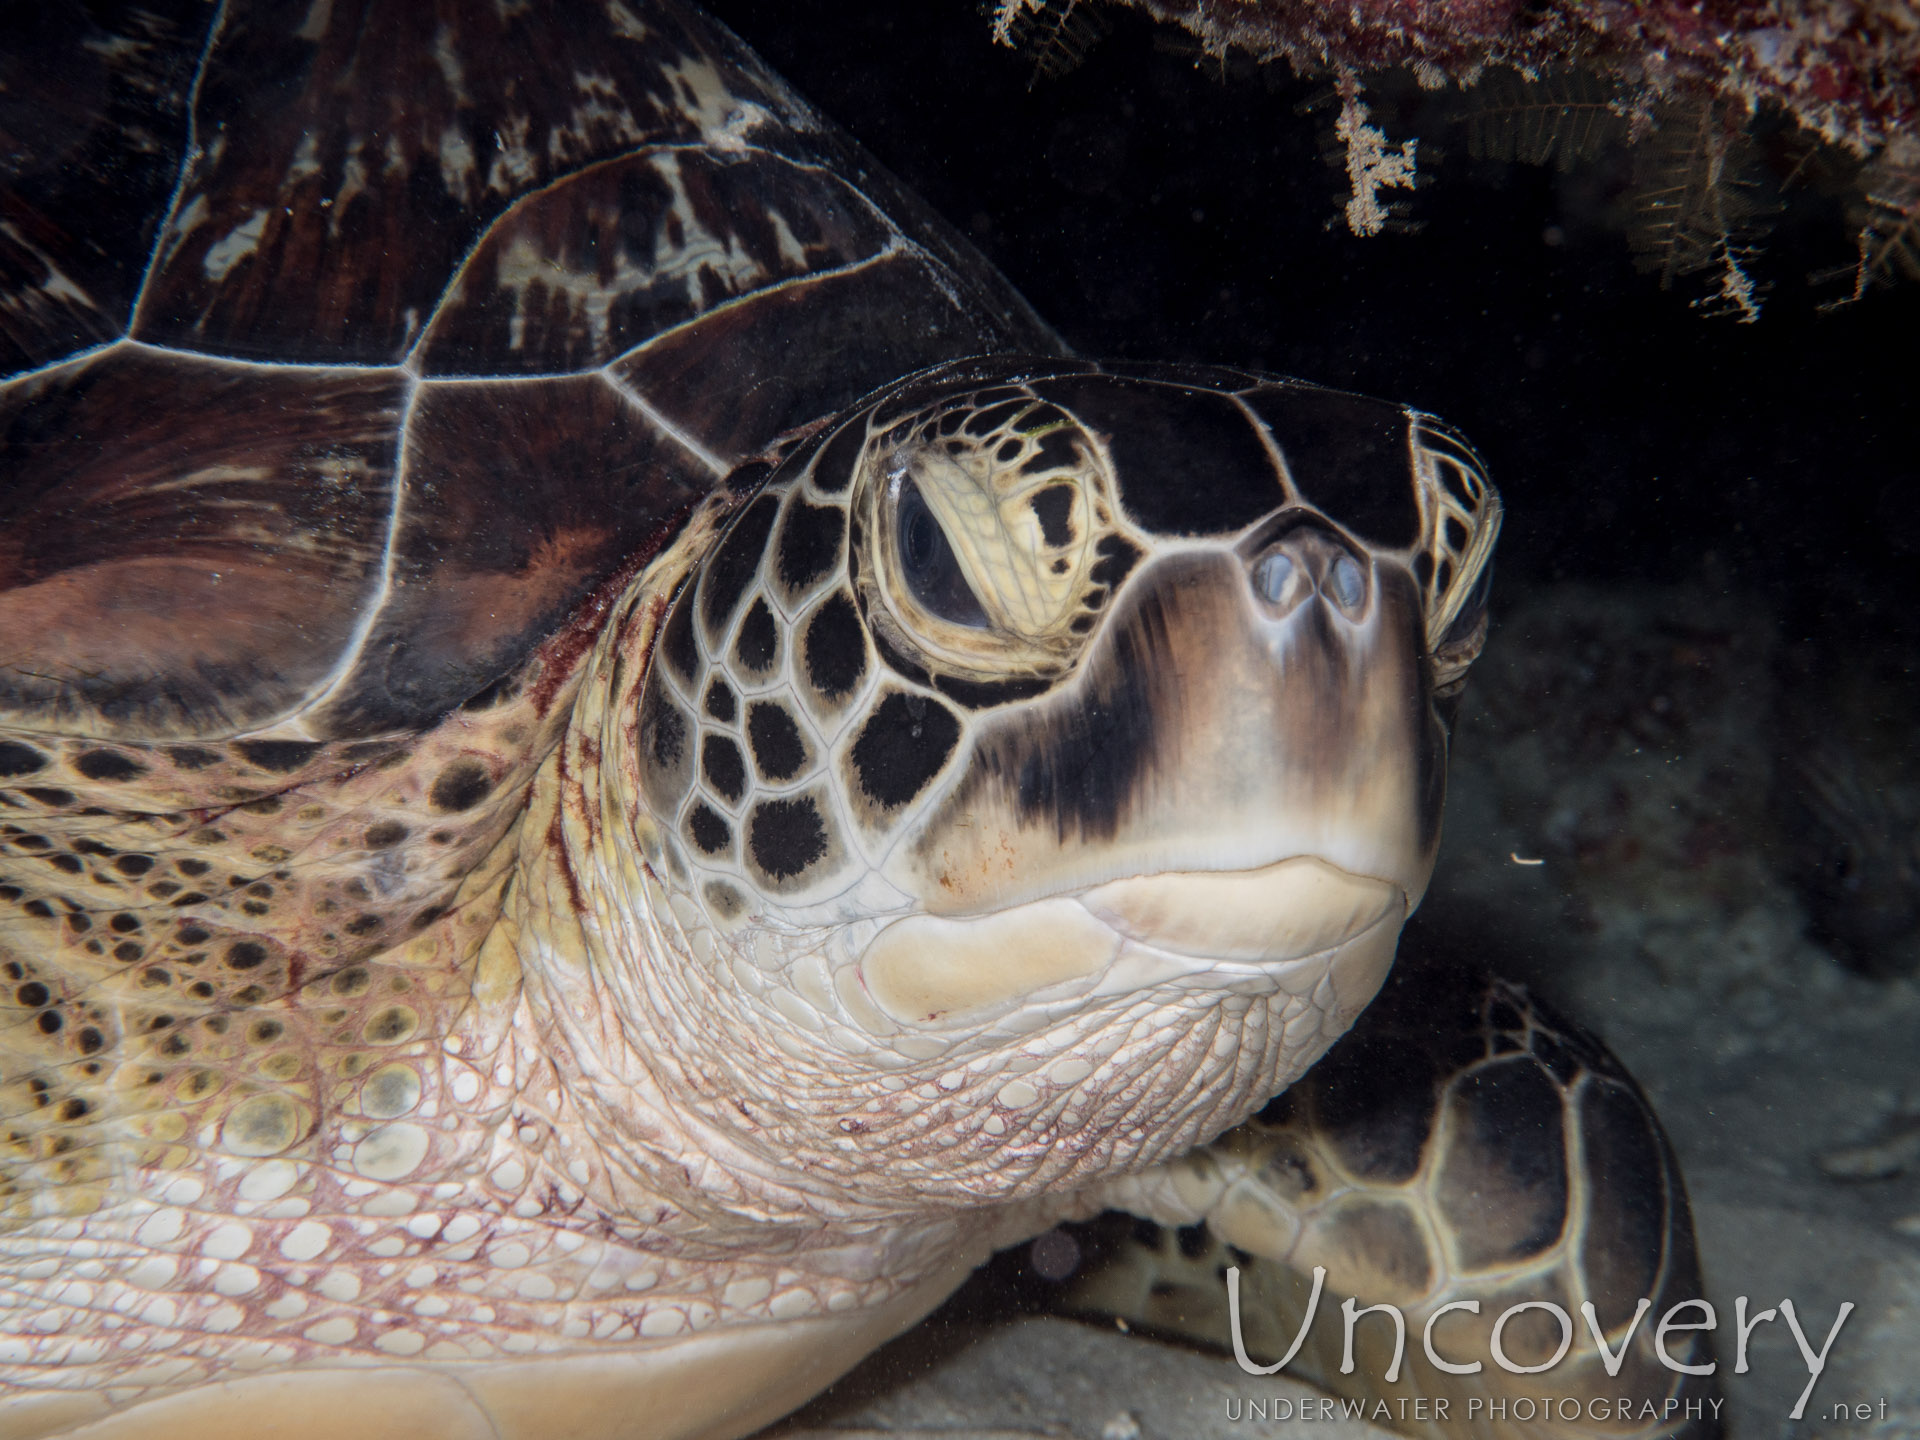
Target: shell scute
(72, 87)
(522, 498)
(332, 206)
(198, 562)
(879, 321)
(579, 273)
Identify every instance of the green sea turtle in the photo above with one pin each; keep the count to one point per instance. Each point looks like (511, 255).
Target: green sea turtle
(614, 768)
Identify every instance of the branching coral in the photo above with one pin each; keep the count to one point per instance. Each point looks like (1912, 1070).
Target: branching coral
(1372, 164)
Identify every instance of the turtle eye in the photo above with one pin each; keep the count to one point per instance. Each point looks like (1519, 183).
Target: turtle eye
(927, 562)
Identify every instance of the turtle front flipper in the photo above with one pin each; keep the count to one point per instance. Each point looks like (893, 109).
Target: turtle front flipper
(1461, 1153)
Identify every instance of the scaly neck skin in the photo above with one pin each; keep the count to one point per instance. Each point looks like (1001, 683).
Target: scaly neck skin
(674, 1108)
(713, 1090)
(670, 1091)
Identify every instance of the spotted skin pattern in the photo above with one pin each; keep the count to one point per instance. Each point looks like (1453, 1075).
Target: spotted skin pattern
(147, 945)
(306, 950)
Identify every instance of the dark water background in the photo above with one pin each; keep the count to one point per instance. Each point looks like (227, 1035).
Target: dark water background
(1152, 210)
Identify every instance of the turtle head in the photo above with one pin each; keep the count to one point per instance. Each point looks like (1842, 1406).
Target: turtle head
(1042, 765)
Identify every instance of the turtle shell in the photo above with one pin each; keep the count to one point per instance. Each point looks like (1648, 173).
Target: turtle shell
(346, 346)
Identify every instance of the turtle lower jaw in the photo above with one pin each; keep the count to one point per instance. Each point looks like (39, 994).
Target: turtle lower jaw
(1285, 926)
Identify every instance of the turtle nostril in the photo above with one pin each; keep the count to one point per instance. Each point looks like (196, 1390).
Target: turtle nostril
(1345, 581)
(1306, 561)
(1270, 576)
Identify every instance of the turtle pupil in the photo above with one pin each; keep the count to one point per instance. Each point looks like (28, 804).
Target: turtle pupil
(933, 571)
(922, 536)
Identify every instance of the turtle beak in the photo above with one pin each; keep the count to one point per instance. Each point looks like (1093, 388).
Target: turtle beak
(1239, 708)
